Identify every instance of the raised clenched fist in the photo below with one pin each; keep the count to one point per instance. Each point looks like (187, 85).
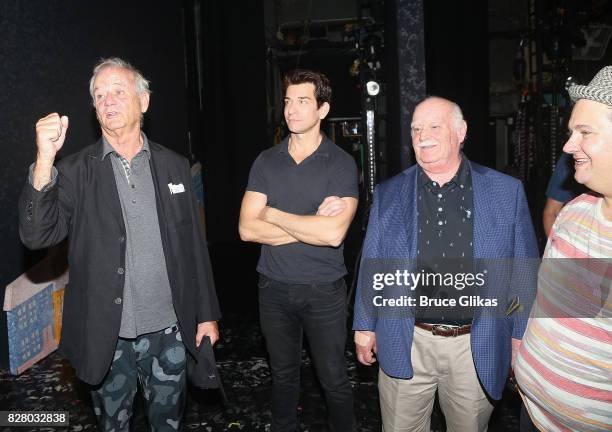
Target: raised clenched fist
(50, 135)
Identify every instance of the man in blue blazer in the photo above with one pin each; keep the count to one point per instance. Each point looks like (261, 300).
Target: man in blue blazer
(445, 207)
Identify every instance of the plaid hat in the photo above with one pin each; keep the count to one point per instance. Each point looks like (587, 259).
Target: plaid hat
(598, 90)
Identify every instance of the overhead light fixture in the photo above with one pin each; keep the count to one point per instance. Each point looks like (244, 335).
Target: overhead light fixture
(372, 87)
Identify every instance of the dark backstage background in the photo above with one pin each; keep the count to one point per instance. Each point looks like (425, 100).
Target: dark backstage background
(215, 69)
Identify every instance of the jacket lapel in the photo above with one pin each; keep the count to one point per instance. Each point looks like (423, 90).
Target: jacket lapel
(106, 185)
(406, 227)
(482, 211)
(161, 178)
(409, 211)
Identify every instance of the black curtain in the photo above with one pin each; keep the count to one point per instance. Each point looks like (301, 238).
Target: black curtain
(457, 59)
(234, 108)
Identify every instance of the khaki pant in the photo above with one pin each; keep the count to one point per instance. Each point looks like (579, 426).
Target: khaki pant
(440, 363)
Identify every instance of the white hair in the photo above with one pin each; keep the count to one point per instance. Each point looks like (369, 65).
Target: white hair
(457, 115)
(456, 110)
(142, 84)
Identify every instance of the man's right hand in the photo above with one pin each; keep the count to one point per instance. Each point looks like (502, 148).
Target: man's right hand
(365, 347)
(50, 135)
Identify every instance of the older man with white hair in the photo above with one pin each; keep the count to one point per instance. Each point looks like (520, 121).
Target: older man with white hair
(141, 293)
(564, 365)
(442, 209)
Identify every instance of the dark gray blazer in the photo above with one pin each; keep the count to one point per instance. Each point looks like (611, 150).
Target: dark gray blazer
(84, 206)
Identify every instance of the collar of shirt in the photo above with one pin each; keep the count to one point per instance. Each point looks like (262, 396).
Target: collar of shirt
(107, 148)
(461, 177)
(322, 150)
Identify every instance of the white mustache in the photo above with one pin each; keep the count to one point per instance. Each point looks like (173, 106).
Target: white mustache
(425, 143)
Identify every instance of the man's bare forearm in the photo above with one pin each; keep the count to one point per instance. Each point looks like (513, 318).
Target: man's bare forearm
(41, 175)
(552, 208)
(315, 230)
(259, 231)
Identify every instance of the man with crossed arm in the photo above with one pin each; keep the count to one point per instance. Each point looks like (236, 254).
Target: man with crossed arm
(300, 200)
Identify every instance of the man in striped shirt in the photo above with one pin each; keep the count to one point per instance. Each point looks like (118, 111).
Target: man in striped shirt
(564, 365)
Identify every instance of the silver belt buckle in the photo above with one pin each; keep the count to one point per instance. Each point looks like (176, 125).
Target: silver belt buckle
(444, 327)
(172, 329)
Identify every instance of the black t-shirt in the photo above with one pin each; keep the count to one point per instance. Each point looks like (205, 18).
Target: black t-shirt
(300, 189)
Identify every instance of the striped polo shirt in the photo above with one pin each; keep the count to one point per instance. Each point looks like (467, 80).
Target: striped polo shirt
(564, 365)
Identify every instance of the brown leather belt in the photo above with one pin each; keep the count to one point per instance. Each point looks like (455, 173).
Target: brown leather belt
(445, 330)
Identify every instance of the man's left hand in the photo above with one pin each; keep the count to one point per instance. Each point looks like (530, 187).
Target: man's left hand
(331, 206)
(210, 329)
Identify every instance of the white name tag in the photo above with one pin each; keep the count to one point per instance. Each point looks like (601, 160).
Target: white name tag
(174, 189)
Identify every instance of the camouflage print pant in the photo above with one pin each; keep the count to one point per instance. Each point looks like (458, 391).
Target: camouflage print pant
(157, 361)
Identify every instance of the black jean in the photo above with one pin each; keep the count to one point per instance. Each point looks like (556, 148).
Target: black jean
(525, 424)
(286, 312)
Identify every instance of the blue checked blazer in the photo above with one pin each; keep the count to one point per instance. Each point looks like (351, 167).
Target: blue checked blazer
(502, 230)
